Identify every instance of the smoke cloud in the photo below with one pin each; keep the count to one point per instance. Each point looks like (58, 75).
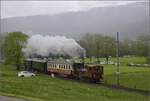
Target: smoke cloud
(45, 45)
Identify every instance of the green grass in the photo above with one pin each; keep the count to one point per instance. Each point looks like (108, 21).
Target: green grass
(44, 88)
(111, 69)
(133, 77)
(123, 60)
(129, 77)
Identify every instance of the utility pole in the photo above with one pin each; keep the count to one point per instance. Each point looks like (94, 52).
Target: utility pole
(117, 56)
(98, 49)
(149, 52)
(83, 56)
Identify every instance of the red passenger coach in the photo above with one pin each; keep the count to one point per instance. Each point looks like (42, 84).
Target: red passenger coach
(59, 68)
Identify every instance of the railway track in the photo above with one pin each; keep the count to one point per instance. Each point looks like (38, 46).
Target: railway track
(111, 86)
(127, 89)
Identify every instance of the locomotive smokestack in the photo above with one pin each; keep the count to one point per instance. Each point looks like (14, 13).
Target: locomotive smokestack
(83, 56)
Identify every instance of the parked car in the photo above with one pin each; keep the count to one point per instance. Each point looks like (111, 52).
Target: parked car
(25, 74)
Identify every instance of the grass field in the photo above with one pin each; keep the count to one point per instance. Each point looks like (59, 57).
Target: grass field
(123, 60)
(133, 77)
(44, 88)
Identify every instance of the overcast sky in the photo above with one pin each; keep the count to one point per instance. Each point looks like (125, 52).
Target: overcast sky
(28, 8)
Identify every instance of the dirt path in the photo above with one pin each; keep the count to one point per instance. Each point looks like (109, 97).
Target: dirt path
(5, 98)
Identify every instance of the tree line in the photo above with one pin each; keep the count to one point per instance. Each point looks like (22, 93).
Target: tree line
(96, 45)
(99, 45)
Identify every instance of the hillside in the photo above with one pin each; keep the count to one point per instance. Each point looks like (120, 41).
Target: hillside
(129, 20)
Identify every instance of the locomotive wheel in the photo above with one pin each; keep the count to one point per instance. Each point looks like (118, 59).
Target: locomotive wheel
(93, 80)
(70, 76)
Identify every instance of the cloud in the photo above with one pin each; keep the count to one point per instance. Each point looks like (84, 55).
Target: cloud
(29, 8)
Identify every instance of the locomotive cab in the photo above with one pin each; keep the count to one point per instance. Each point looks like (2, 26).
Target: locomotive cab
(77, 70)
(90, 73)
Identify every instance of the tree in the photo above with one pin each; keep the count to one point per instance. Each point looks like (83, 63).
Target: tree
(143, 46)
(87, 42)
(12, 48)
(108, 47)
(128, 47)
(98, 45)
(1, 41)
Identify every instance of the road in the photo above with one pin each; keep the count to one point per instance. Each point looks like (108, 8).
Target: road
(5, 98)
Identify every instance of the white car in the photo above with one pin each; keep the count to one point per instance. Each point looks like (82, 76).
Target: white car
(25, 74)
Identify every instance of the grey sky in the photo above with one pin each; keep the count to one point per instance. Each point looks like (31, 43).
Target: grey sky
(28, 8)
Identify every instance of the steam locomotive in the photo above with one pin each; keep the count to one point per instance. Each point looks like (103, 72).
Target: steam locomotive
(74, 70)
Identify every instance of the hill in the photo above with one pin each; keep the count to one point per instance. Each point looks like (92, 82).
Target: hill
(129, 20)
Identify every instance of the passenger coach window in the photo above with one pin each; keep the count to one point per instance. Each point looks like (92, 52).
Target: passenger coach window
(64, 66)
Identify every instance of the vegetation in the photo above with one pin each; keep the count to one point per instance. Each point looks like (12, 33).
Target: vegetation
(137, 77)
(143, 44)
(44, 88)
(53, 56)
(132, 77)
(105, 46)
(98, 46)
(12, 48)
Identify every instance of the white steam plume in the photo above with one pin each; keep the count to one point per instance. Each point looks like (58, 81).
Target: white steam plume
(44, 45)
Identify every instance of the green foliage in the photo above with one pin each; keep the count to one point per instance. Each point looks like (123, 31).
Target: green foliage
(44, 88)
(12, 48)
(128, 47)
(104, 46)
(1, 41)
(144, 46)
(98, 45)
(134, 77)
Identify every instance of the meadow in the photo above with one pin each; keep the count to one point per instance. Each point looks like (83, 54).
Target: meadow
(44, 88)
(132, 77)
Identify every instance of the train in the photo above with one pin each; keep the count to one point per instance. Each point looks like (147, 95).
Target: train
(73, 70)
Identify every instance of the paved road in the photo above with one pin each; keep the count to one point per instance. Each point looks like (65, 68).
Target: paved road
(5, 98)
